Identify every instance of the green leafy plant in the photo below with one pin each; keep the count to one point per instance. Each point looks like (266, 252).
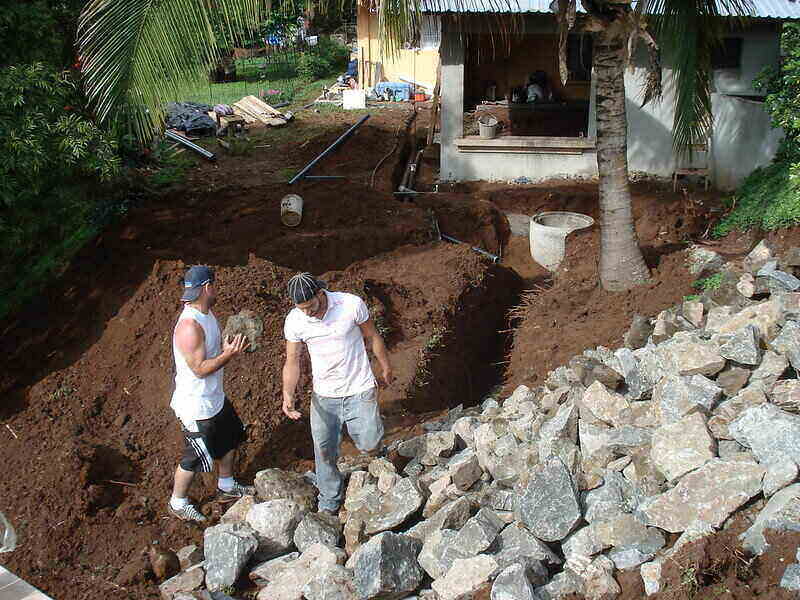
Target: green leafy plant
(709, 284)
(311, 66)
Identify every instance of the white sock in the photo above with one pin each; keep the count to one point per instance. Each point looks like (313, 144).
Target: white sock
(178, 503)
(226, 483)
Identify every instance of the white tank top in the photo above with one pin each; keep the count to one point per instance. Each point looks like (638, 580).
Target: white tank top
(196, 397)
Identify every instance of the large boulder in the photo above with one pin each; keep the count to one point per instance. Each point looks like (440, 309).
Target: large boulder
(436, 556)
(689, 356)
(609, 407)
(466, 577)
(678, 448)
(269, 570)
(276, 484)
(183, 583)
(333, 582)
(770, 432)
(274, 523)
(317, 528)
(452, 515)
(515, 543)
(549, 506)
(710, 494)
(386, 566)
(513, 584)
(676, 396)
(595, 439)
(289, 583)
(394, 508)
(782, 513)
(227, 549)
(741, 346)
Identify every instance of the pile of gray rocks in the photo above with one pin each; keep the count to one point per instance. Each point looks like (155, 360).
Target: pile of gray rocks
(556, 489)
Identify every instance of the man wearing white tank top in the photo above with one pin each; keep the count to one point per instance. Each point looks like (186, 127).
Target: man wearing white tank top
(211, 428)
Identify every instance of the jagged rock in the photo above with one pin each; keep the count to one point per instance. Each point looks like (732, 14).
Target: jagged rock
(353, 496)
(513, 584)
(274, 523)
(707, 391)
(619, 464)
(784, 281)
(741, 346)
(667, 324)
(786, 394)
(709, 494)
(564, 425)
(466, 577)
(746, 285)
(522, 393)
(765, 316)
(608, 407)
(780, 473)
(237, 513)
(247, 324)
(549, 506)
(464, 429)
(729, 448)
(733, 379)
(526, 429)
(787, 343)
(387, 481)
(676, 396)
(451, 516)
(354, 534)
(561, 377)
(464, 469)
(183, 583)
(288, 583)
(188, 556)
(363, 499)
(643, 475)
(791, 578)
(379, 466)
(651, 576)
(634, 378)
(591, 370)
(267, 571)
(438, 445)
(276, 484)
(394, 508)
(638, 333)
(516, 542)
(618, 439)
(438, 495)
(581, 545)
(386, 566)
(414, 468)
(478, 533)
(681, 447)
(563, 584)
(730, 410)
(769, 432)
(334, 582)
(490, 404)
(693, 312)
(434, 556)
(758, 257)
(691, 357)
(227, 548)
(702, 260)
(499, 498)
(790, 304)
(599, 582)
(782, 513)
(717, 317)
(317, 528)
(772, 367)
(628, 558)
(603, 502)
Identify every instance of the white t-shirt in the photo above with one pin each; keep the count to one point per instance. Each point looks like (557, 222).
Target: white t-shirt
(198, 397)
(339, 362)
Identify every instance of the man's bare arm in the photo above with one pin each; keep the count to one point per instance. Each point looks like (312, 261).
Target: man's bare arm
(379, 349)
(190, 340)
(291, 377)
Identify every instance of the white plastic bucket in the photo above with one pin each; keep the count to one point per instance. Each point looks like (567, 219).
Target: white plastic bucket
(549, 230)
(291, 210)
(487, 126)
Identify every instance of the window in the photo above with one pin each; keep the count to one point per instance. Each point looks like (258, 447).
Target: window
(579, 57)
(727, 55)
(430, 32)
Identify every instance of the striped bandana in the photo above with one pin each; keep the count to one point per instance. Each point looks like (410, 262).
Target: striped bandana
(303, 287)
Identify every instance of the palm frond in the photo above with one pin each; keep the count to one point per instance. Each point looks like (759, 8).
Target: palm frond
(137, 54)
(688, 31)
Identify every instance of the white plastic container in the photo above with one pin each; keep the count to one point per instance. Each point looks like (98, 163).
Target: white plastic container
(8, 538)
(354, 99)
(549, 231)
(291, 210)
(487, 127)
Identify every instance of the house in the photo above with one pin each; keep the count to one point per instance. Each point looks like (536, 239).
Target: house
(552, 139)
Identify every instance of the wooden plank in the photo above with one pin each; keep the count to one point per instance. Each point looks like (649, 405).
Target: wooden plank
(435, 107)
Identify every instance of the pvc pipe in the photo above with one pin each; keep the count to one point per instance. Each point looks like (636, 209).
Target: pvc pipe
(327, 150)
(182, 140)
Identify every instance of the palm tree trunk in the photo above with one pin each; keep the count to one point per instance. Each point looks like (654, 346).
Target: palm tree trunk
(622, 265)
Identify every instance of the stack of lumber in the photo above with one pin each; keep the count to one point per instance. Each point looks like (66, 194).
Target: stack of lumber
(251, 109)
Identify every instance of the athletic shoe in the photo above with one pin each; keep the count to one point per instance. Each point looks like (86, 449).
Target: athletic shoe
(237, 491)
(188, 513)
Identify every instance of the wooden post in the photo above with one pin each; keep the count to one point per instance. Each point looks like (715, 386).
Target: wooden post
(435, 107)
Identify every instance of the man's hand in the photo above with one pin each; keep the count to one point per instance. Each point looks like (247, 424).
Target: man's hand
(289, 410)
(387, 377)
(237, 345)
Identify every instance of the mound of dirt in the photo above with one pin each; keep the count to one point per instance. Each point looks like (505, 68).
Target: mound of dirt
(90, 472)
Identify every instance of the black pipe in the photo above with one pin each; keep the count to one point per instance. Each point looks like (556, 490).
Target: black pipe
(182, 140)
(327, 151)
(493, 257)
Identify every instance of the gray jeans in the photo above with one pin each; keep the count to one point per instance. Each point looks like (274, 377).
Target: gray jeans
(328, 417)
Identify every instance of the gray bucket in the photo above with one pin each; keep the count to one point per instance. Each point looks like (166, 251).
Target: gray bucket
(549, 230)
(487, 127)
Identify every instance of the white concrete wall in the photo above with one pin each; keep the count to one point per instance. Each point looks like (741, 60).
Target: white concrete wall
(743, 138)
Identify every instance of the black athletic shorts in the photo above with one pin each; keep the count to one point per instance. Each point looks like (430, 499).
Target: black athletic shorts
(215, 437)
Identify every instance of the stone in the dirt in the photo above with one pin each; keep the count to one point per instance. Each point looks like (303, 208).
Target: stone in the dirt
(516, 542)
(189, 556)
(709, 494)
(332, 583)
(185, 582)
(288, 584)
(513, 584)
(690, 357)
(787, 342)
(758, 256)
(599, 582)
(603, 502)
(437, 445)
(237, 513)
(638, 333)
(681, 447)
(434, 556)
(606, 406)
(717, 317)
(730, 410)
(765, 316)
(676, 396)
(784, 281)
(693, 312)
(702, 260)
(581, 545)
(617, 439)
(746, 285)
(379, 466)
(772, 367)
(565, 583)
(628, 558)
(452, 515)
(786, 394)
(317, 528)
(386, 566)
(466, 577)
(227, 548)
(478, 533)
(274, 523)
(395, 507)
(651, 576)
(769, 432)
(269, 570)
(733, 379)
(630, 369)
(782, 513)
(779, 474)
(276, 484)
(564, 425)
(741, 346)
(591, 370)
(247, 324)
(549, 506)
(464, 429)
(464, 469)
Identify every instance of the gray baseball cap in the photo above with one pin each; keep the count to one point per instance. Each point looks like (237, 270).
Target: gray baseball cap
(303, 287)
(194, 280)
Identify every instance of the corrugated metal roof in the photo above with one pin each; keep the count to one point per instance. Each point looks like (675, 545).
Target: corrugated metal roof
(764, 9)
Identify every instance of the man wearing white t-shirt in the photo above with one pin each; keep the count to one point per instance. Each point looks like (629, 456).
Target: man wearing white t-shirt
(334, 327)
